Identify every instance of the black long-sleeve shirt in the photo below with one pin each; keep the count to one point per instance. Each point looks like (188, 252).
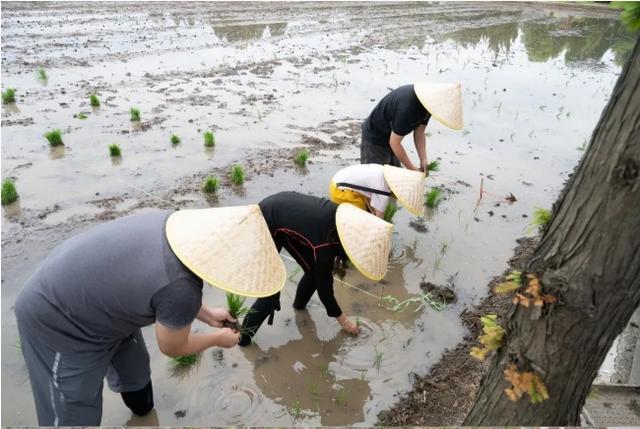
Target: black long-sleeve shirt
(306, 226)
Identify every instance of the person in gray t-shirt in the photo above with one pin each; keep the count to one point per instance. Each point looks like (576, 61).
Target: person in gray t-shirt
(79, 318)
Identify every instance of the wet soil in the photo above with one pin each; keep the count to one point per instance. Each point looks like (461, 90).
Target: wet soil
(444, 396)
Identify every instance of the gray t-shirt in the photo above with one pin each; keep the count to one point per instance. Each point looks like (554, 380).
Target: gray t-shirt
(104, 284)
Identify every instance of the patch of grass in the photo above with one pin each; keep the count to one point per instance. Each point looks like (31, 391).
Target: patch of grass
(9, 96)
(295, 410)
(235, 305)
(135, 114)
(114, 150)
(175, 140)
(9, 192)
(390, 211)
(54, 137)
(41, 74)
(237, 175)
(433, 166)
(433, 198)
(210, 185)
(183, 362)
(541, 217)
(209, 139)
(94, 100)
(301, 157)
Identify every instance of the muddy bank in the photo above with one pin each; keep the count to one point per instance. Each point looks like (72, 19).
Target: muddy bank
(445, 395)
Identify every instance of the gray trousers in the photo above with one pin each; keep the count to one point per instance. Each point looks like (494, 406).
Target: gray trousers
(67, 387)
(377, 154)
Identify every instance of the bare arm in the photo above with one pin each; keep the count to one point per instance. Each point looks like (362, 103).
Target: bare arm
(420, 141)
(396, 146)
(181, 342)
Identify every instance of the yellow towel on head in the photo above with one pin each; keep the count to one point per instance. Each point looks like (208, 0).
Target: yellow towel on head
(339, 196)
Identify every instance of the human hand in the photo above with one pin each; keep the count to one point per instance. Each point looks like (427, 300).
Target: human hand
(215, 316)
(348, 326)
(227, 338)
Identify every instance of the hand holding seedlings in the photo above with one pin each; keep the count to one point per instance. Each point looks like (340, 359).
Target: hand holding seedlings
(216, 317)
(347, 325)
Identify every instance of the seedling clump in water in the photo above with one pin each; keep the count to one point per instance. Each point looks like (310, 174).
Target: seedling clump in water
(41, 74)
(9, 192)
(390, 211)
(237, 175)
(9, 96)
(94, 100)
(175, 140)
(209, 139)
(301, 157)
(54, 137)
(433, 198)
(135, 114)
(433, 166)
(114, 150)
(210, 185)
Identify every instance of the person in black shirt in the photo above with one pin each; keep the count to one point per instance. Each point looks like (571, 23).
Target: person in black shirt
(313, 230)
(404, 110)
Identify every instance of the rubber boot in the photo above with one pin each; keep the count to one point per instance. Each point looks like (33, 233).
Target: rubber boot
(139, 402)
(260, 310)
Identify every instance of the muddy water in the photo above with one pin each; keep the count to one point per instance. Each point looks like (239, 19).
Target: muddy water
(268, 79)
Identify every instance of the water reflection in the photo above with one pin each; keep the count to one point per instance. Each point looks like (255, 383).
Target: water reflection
(235, 33)
(580, 39)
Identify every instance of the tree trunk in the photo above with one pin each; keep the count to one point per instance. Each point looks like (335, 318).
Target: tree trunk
(589, 258)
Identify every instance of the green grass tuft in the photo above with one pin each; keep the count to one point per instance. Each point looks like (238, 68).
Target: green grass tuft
(82, 116)
(175, 140)
(114, 150)
(209, 139)
(9, 96)
(54, 137)
(9, 192)
(301, 157)
(210, 185)
(41, 74)
(433, 198)
(235, 305)
(390, 211)
(433, 166)
(135, 114)
(237, 175)
(541, 217)
(183, 362)
(94, 100)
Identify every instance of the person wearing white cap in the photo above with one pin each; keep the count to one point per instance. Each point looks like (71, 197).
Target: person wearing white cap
(320, 236)
(373, 187)
(404, 110)
(79, 316)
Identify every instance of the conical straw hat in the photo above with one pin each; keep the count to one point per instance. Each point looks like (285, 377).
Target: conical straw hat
(365, 238)
(407, 186)
(229, 247)
(443, 101)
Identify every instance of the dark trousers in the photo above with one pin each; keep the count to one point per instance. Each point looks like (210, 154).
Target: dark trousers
(377, 154)
(265, 307)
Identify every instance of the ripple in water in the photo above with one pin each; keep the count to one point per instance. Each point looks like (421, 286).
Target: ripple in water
(401, 254)
(238, 405)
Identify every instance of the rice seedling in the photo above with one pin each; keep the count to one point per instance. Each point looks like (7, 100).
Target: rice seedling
(444, 246)
(377, 361)
(433, 198)
(433, 165)
(9, 192)
(295, 410)
(313, 389)
(541, 217)
(209, 139)
(237, 175)
(210, 185)
(301, 157)
(175, 140)
(54, 137)
(9, 96)
(390, 211)
(341, 397)
(114, 150)
(184, 362)
(358, 322)
(135, 114)
(81, 116)
(41, 74)
(235, 305)
(94, 100)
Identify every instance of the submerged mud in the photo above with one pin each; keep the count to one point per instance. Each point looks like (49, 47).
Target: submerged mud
(269, 79)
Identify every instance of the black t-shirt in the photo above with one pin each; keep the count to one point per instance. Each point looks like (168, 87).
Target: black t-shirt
(306, 227)
(399, 111)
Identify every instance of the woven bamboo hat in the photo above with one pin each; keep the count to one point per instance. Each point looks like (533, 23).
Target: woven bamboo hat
(365, 238)
(443, 101)
(407, 186)
(229, 247)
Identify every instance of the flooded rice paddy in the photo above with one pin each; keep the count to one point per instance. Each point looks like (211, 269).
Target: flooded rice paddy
(269, 79)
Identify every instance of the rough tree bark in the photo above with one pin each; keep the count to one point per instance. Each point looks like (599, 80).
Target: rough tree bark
(589, 258)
